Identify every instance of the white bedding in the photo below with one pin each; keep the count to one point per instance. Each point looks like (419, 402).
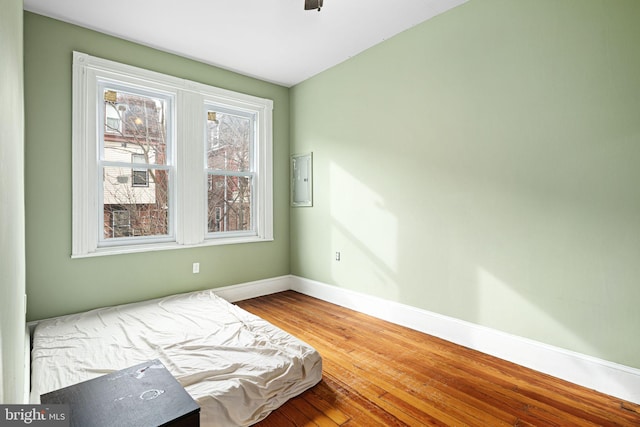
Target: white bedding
(237, 366)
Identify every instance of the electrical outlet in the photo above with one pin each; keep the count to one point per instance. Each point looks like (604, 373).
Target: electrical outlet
(196, 267)
(337, 256)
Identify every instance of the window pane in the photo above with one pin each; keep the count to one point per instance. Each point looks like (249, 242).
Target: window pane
(131, 210)
(134, 124)
(228, 141)
(229, 203)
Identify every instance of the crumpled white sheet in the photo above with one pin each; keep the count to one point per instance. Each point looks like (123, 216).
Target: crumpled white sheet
(237, 366)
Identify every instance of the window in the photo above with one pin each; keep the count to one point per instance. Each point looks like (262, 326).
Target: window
(160, 162)
(230, 171)
(113, 124)
(143, 137)
(121, 223)
(112, 113)
(139, 176)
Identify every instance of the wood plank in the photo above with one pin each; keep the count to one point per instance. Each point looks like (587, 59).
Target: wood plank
(379, 373)
(317, 399)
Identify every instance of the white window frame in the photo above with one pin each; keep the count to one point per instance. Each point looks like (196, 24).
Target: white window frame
(147, 89)
(189, 132)
(251, 172)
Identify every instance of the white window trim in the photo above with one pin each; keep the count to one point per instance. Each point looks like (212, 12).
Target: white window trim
(190, 215)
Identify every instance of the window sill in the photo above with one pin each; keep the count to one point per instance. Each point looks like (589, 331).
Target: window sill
(121, 250)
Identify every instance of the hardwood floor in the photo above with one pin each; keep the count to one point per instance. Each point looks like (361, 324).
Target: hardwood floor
(377, 373)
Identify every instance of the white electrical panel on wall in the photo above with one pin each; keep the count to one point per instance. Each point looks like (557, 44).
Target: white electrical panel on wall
(302, 180)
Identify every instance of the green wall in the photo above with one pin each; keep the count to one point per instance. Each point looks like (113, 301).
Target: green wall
(485, 165)
(57, 284)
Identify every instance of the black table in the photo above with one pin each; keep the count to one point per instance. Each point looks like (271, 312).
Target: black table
(145, 395)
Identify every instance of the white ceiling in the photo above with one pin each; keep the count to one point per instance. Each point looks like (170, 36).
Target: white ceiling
(273, 40)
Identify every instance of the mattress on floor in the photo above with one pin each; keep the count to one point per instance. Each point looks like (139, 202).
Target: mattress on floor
(237, 366)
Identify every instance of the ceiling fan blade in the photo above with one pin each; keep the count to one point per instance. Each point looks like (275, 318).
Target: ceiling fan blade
(312, 4)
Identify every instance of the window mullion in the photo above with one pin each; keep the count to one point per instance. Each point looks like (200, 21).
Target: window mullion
(264, 177)
(85, 185)
(191, 185)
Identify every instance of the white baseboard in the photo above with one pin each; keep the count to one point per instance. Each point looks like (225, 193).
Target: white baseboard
(607, 377)
(254, 289)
